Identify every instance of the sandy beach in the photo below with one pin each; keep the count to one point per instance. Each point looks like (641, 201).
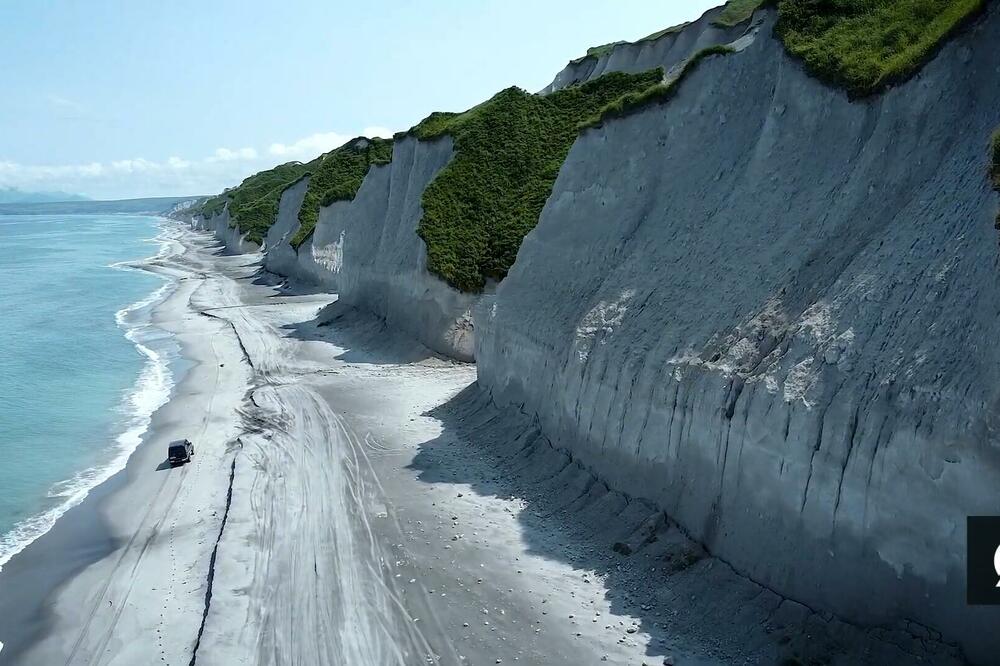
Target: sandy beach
(355, 499)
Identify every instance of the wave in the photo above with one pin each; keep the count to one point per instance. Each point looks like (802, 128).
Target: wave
(149, 392)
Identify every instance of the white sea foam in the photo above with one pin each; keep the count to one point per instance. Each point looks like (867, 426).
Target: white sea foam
(150, 391)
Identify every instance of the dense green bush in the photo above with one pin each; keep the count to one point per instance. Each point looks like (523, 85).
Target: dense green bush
(334, 176)
(859, 45)
(213, 206)
(865, 45)
(508, 152)
(253, 205)
(337, 176)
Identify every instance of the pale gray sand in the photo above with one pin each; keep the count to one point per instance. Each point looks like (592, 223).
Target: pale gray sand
(143, 602)
(316, 561)
(382, 513)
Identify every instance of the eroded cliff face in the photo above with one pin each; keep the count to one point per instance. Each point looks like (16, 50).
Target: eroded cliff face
(231, 236)
(668, 51)
(774, 313)
(368, 252)
(371, 244)
(767, 309)
(280, 257)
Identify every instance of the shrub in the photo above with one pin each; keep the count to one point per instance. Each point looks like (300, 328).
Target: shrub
(508, 152)
(253, 205)
(866, 45)
(213, 206)
(337, 176)
(334, 176)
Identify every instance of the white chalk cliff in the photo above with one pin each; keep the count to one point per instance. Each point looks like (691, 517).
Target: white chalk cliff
(770, 310)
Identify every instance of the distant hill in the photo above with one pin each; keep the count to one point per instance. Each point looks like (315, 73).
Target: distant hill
(154, 205)
(12, 195)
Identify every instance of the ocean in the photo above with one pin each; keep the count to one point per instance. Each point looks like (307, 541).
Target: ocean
(81, 368)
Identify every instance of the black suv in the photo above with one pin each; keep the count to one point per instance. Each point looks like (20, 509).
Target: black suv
(180, 452)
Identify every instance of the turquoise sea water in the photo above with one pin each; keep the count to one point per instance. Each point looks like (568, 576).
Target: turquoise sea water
(80, 368)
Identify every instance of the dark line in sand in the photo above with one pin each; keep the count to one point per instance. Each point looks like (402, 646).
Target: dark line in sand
(243, 348)
(211, 565)
(248, 305)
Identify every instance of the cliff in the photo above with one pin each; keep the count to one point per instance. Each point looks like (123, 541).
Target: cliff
(381, 267)
(772, 311)
(764, 304)
(233, 238)
(367, 250)
(667, 48)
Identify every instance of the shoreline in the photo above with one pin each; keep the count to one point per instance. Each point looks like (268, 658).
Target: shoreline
(357, 499)
(150, 389)
(90, 530)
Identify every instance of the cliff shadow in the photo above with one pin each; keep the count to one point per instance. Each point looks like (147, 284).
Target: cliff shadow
(363, 337)
(694, 607)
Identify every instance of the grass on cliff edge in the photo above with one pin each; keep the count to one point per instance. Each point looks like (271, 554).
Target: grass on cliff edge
(859, 45)
(604, 49)
(337, 176)
(657, 93)
(866, 45)
(334, 176)
(508, 152)
(253, 205)
(736, 12)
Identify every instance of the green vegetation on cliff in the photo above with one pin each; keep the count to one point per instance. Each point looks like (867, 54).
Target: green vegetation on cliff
(253, 205)
(598, 51)
(859, 45)
(658, 92)
(334, 176)
(865, 45)
(510, 148)
(337, 176)
(737, 11)
(508, 152)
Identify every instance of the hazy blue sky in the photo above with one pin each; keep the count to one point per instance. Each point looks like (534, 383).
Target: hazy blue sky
(139, 98)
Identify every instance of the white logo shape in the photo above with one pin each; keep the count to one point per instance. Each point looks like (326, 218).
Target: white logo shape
(996, 564)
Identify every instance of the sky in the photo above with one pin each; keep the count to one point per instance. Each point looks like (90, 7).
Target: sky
(136, 98)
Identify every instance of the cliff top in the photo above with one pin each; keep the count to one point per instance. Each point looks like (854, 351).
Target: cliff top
(862, 46)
